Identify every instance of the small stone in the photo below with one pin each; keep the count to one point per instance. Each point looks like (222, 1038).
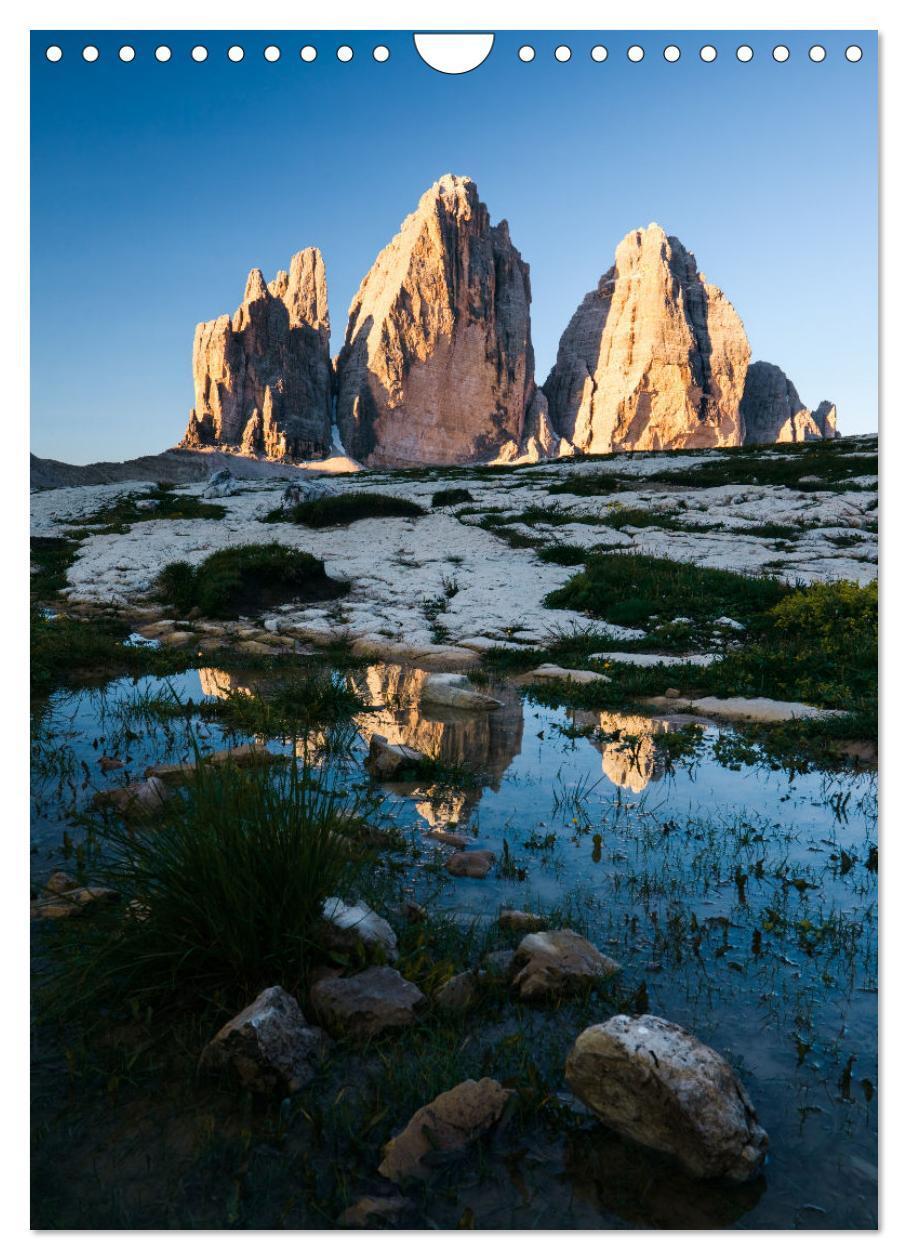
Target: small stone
(520, 921)
(555, 673)
(655, 1083)
(268, 1047)
(363, 1005)
(176, 639)
(550, 964)
(252, 647)
(70, 902)
(444, 1127)
(497, 965)
(60, 883)
(371, 1212)
(453, 838)
(475, 863)
(672, 693)
(110, 763)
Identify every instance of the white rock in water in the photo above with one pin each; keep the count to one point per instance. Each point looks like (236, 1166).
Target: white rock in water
(758, 709)
(362, 924)
(454, 690)
(657, 1084)
(556, 673)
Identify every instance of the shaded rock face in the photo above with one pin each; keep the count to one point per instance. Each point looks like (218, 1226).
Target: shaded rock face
(655, 1083)
(654, 358)
(263, 379)
(437, 366)
(771, 410)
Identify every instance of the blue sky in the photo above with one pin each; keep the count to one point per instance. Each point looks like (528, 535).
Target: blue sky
(155, 187)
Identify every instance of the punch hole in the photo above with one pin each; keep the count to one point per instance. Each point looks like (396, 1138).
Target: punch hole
(854, 52)
(635, 53)
(345, 53)
(780, 53)
(90, 53)
(236, 53)
(199, 53)
(308, 53)
(526, 52)
(381, 53)
(453, 54)
(745, 53)
(162, 53)
(272, 53)
(562, 53)
(708, 53)
(54, 53)
(672, 53)
(127, 53)
(599, 52)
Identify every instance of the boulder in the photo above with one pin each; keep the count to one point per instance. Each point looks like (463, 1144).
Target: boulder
(268, 1047)
(220, 485)
(263, 377)
(473, 863)
(654, 358)
(454, 692)
(356, 927)
(391, 761)
(655, 1083)
(363, 1005)
(444, 1128)
(520, 921)
(437, 365)
(555, 964)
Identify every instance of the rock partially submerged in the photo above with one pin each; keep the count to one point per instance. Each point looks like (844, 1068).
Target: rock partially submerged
(387, 762)
(655, 1083)
(554, 964)
(557, 673)
(144, 796)
(473, 863)
(444, 1128)
(67, 899)
(520, 921)
(268, 1047)
(756, 709)
(357, 927)
(454, 691)
(363, 1005)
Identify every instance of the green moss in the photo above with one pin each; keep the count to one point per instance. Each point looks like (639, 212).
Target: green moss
(50, 559)
(245, 579)
(124, 511)
(563, 553)
(828, 461)
(342, 509)
(587, 484)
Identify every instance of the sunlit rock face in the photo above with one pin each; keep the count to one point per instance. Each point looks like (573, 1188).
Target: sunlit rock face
(263, 377)
(486, 741)
(654, 357)
(219, 684)
(437, 366)
(771, 410)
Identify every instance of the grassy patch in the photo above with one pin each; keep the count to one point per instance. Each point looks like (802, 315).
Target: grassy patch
(245, 579)
(62, 647)
(50, 559)
(829, 462)
(342, 509)
(222, 894)
(290, 707)
(628, 589)
(563, 553)
(449, 498)
(161, 505)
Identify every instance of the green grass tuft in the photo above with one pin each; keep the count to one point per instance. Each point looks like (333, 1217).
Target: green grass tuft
(245, 579)
(342, 509)
(449, 498)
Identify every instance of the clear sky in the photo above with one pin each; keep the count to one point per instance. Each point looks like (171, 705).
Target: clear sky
(155, 187)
